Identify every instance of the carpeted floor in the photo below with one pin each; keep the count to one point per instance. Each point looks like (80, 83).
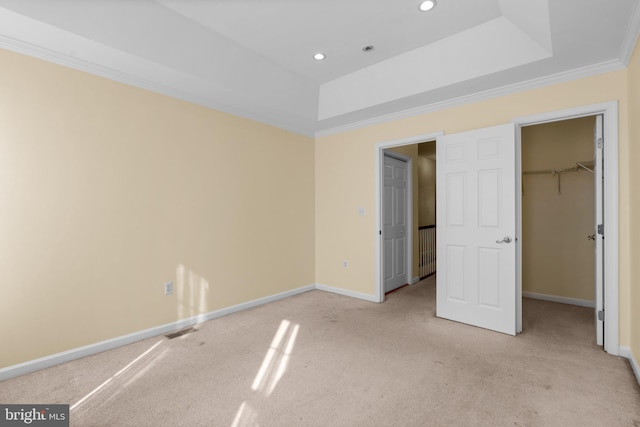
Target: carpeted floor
(320, 359)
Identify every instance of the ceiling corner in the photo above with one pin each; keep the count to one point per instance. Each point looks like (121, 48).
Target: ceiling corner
(631, 36)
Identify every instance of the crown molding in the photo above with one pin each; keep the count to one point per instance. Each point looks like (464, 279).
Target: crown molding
(631, 36)
(75, 63)
(49, 55)
(565, 76)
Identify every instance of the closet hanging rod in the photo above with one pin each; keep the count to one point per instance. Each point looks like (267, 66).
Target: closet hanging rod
(551, 171)
(577, 167)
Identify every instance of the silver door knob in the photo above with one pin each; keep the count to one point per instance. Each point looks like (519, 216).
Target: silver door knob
(506, 239)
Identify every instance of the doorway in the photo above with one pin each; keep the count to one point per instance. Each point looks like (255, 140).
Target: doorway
(606, 142)
(400, 147)
(559, 246)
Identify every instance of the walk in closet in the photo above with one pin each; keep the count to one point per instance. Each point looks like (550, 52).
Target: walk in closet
(558, 211)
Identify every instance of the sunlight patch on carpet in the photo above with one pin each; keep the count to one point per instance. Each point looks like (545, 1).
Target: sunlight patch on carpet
(116, 375)
(275, 362)
(245, 416)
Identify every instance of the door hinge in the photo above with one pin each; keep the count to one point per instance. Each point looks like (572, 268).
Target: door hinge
(381, 232)
(601, 229)
(601, 315)
(600, 143)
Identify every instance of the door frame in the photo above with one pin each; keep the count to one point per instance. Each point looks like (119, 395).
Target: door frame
(609, 110)
(379, 165)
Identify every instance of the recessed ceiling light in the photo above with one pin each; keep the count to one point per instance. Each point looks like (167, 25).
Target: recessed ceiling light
(427, 5)
(319, 56)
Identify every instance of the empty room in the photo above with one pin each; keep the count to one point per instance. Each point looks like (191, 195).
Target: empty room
(279, 213)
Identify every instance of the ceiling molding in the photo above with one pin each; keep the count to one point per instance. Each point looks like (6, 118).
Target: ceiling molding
(295, 113)
(58, 58)
(631, 37)
(578, 73)
(138, 82)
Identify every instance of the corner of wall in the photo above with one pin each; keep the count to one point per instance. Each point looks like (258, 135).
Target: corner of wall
(627, 353)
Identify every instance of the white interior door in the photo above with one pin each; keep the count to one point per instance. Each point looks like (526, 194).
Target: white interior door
(476, 223)
(599, 233)
(394, 220)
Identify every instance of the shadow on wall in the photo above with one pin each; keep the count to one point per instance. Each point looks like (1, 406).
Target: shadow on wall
(192, 293)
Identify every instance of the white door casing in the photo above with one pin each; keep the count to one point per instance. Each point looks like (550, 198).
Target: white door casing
(610, 203)
(598, 136)
(379, 150)
(476, 225)
(395, 230)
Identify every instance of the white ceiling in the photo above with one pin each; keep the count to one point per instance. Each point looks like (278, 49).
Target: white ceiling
(254, 57)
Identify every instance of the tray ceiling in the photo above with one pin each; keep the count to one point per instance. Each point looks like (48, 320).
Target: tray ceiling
(255, 58)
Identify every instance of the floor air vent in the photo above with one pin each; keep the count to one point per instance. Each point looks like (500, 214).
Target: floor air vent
(180, 333)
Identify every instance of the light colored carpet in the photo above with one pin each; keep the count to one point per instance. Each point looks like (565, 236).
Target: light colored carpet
(319, 359)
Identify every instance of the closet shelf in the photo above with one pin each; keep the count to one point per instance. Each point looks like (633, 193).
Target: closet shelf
(579, 166)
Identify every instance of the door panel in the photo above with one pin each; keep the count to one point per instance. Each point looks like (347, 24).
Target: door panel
(400, 257)
(455, 196)
(455, 261)
(489, 198)
(488, 279)
(475, 178)
(388, 259)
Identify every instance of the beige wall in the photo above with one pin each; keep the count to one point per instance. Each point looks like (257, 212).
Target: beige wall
(632, 161)
(557, 258)
(427, 183)
(108, 191)
(345, 175)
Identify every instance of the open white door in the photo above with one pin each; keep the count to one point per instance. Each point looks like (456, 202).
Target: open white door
(395, 230)
(476, 224)
(599, 229)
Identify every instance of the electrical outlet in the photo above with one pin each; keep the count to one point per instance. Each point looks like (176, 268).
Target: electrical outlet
(168, 288)
(345, 263)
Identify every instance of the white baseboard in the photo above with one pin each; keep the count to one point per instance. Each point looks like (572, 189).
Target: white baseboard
(346, 292)
(563, 300)
(626, 352)
(87, 350)
(415, 280)
(77, 353)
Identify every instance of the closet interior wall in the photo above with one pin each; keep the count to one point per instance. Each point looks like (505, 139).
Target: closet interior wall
(427, 183)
